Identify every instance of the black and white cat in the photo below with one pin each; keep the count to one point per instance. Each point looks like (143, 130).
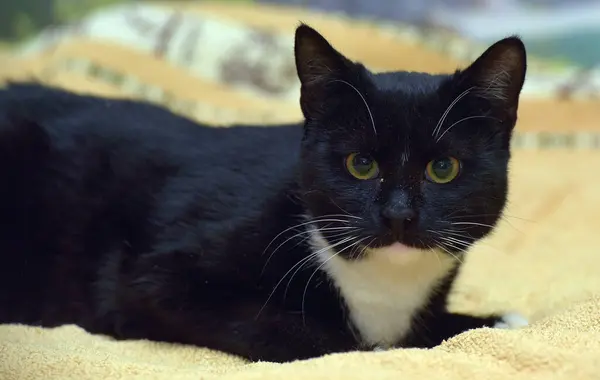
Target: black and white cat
(341, 233)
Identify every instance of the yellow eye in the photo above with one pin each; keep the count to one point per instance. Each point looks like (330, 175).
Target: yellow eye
(442, 170)
(362, 167)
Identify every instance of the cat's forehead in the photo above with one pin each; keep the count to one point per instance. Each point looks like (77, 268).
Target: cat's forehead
(408, 83)
(407, 105)
(409, 99)
(404, 110)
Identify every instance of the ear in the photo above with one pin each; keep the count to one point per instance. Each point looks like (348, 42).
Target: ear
(498, 74)
(317, 64)
(316, 59)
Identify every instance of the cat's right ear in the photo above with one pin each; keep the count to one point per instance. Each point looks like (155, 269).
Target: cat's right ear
(318, 64)
(498, 75)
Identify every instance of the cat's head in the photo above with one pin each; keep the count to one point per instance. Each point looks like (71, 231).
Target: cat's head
(406, 159)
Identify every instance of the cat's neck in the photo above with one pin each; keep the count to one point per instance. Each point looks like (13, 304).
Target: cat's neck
(384, 290)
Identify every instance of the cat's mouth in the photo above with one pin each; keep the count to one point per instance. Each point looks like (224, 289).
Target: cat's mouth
(399, 243)
(355, 245)
(399, 248)
(407, 245)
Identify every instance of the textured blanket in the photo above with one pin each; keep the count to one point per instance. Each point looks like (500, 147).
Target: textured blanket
(233, 63)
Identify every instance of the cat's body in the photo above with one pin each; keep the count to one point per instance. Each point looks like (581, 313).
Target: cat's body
(130, 221)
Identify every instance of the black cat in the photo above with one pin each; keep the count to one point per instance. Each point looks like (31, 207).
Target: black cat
(343, 233)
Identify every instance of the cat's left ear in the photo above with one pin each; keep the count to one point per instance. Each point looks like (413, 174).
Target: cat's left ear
(498, 75)
(318, 64)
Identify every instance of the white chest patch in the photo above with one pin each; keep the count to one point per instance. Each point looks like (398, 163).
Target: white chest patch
(385, 289)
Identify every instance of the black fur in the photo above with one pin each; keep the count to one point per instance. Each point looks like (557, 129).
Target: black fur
(133, 222)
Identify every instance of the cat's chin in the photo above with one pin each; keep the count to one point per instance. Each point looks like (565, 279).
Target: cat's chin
(390, 244)
(398, 253)
(399, 248)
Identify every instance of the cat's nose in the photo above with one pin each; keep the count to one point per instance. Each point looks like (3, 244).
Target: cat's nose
(397, 219)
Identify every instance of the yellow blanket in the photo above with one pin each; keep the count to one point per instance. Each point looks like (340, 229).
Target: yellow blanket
(541, 262)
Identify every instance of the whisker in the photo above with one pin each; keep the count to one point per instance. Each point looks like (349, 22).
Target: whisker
(447, 231)
(437, 256)
(364, 101)
(456, 233)
(466, 245)
(353, 248)
(467, 242)
(462, 120)
(302, 266)
(512, 225)
(327, 236)
(365, 247)
(440, 122)
(300, 262)
(504, 215)
(337, 215)
(321, 219)
(435, 252)
(308, 231)
(307, 258)
(445, 239)
(346, 213)
(331, 236)
(471, 224)
(463, 243)
(442, 246)
(321, 266)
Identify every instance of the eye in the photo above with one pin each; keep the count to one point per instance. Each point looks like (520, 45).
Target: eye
(362, 167)
(442, 170)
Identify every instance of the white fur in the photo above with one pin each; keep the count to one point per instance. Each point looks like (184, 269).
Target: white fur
(384, 289)
(512, 321)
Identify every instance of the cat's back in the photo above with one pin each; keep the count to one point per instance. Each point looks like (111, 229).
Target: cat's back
(86, 176)
(125, 152)
(68, 116)
(136, 139)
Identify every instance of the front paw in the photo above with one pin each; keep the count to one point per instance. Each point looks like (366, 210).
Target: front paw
(511, 321)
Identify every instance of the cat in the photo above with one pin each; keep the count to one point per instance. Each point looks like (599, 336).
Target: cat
(341, 233)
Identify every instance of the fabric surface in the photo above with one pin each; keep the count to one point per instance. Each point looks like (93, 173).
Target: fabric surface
(542, 261)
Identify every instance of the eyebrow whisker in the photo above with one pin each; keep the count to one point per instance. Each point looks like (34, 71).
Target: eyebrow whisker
(364, 101)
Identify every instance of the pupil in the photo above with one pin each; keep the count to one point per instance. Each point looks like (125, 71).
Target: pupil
(362, 164)
(442, 168)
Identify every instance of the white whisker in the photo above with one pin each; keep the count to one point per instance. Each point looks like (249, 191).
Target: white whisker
(432, 249)
(302, 266)
(460, 121)
(442, 246)
(451, 232)
(364, 101)
(440, 122)
(453, 238)
(307, 232)
(460, 242)
(437, 256)
(365, 247)
(337, 215)
(300, 225)
(321, 266)
(480, 244)
(458, 234)
(471, 224)
(300, 262)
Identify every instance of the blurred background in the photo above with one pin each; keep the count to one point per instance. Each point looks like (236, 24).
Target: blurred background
(567, 30)
(229, 61)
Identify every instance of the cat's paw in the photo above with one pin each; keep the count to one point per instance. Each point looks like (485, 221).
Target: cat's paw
(511, 321)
